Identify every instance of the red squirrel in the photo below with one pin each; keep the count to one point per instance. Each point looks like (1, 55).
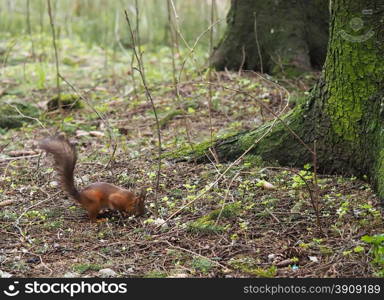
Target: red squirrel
(95, 196)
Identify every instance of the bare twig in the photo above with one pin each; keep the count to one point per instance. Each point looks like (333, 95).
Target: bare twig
(2, 147)
(174, 77)
(277, 118)
(280, 87)
(196, 254)
(17, 158)
(116, 31)
(9, 50)
(316, 188)
(137, 31)
(210, 92)
(42, 263)
(243, 57)
(56, 53)
(177, 27)
(29, 27)
(258, 44)
(105, 121)
(272, 215)
(313, 193)
(192, 49)
(141, 71)
(7, 202)
(137, 19)
(27, 117)
(17, 222)
(225, 197)
(18, 153)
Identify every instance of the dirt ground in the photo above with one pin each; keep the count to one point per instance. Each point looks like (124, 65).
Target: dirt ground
(256, 221)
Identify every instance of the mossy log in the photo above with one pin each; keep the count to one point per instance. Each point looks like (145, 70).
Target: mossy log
(15, 114)
(67, 101)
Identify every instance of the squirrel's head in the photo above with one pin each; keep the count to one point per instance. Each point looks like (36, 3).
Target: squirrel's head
(140, 203)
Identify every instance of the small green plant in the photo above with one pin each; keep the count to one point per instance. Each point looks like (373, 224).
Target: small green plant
(343, 209)
(377, 250)
(20, 266)
(81, 268)
(67, 101)
(41, 76)
(251, 161)
(202, 264)
(266, 273)
(250, 265)
(207, 224)
(306, 174)
(204, 225)
(54, 224)
(35, 214)
(369, 210)
(7, 215)
(155, 274)
(358, 249)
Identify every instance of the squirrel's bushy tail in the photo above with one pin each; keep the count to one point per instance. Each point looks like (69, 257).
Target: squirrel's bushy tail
(65, 157)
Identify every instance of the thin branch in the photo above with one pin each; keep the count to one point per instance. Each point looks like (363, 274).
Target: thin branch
(29, 27)
(17, 222)
(174, 77)
(243, 57)
(196, 254)
(192, 49)
(141, 71)
(312, 194)
(258, 44)
(105, 121)
(316, 187)
(56, 53)
(27, 117)
(7, 53)
(137, 19)
(225, 197)
(210, 92)
(178, 25)
(17, 158)
(118, 41)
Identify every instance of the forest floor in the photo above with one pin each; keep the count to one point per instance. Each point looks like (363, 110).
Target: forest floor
(256, 220)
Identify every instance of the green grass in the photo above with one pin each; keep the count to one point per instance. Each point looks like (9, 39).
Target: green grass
(83, 18)
(81, 268)
(89, 65)
(207, 224)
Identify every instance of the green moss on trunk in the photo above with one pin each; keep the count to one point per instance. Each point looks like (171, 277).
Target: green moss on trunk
(344, 113)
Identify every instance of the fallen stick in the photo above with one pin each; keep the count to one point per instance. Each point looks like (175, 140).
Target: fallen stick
(7, 202)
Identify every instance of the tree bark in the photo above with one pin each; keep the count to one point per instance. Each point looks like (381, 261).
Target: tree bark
(274, 36)
(345, 110)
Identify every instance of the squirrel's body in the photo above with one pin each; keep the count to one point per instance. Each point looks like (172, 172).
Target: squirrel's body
(93, 197)
(100, 195)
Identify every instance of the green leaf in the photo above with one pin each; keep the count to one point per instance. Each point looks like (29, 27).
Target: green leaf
(358, 249)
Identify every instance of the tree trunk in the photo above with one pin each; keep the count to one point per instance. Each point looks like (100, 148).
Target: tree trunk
(274, 36)
(345, 111)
